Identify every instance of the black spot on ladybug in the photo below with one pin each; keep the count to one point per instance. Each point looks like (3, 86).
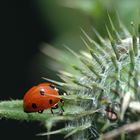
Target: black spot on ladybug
(34, 106)
(50, 101)
(42, 91)
(52, 86)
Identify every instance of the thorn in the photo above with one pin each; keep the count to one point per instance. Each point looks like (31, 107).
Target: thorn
(86, 35)
(113, 44)
(101, 50)
(116, 34)
(132, 58)
(70, 50)
(54, 82)
(124, 33)
(88, 47)
(110, 20)
(125, 104)
(134, 38)
(91, 68)
(91, 52)
(109, 34)
(81, 84)
(99, 36)
(65, 73)
(139, 33)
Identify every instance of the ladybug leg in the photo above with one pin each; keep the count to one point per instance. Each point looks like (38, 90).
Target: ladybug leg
(40, 111)
(62, 109)
(52, 111)
(54, 107)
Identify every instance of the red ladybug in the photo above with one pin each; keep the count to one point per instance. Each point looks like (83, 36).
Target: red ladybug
(111, 111)
(42, 96)
(111, 115)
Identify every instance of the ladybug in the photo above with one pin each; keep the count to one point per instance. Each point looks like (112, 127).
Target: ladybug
(41, 97)
(111, 111)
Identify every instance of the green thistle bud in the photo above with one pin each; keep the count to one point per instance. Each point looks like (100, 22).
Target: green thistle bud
(104, 94)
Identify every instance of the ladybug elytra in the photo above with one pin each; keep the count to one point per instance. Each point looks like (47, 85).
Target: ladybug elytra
(41, 97)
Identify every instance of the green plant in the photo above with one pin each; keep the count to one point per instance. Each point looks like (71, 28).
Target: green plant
(107, 76)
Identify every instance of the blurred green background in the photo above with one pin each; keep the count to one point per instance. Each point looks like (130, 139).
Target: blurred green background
(65, 19)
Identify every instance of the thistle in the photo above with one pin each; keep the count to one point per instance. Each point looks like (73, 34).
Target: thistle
(103, 98)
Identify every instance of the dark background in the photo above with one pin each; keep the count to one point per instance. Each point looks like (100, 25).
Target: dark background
(21, 33)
